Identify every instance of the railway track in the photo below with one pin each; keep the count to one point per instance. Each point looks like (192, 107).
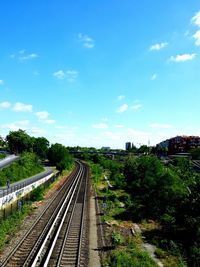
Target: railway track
(58, 236)
(196, 163)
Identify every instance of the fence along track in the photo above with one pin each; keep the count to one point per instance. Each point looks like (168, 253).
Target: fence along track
(36, 233)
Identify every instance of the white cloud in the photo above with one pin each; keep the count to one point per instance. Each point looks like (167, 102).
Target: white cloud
(105, 119)
(157, 47)
(36, 131)
(89, 44)
(42, 115)
(154, 77)
(160, 126)
(65, 127)
(114, 136)
(5, 104)
(72, 75)
(59, 74)
(60, 127)
(14, 126)
(196, 19)
(21, 52)
(1, 82)
(86, 40)
(20, 55)
(136, 106)
(100, 126)
(196, 36)
(119, 126)
(21, 107)
(119, 138)
(23, 122)
(121, 97)
(183, 57)
(30, 56)
(137, 134)
(122, 108)
(49, 121)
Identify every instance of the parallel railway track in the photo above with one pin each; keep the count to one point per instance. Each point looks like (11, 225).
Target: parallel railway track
(58, 235)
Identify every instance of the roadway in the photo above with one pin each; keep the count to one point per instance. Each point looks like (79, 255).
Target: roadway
(8, 160)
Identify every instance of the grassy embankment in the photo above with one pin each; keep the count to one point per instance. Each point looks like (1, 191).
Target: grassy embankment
(2, 156)
(27, 166)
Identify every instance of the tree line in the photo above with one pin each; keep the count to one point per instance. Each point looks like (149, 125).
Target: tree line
(18, 142)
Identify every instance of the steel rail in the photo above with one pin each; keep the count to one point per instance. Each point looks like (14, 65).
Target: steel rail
(69, 182)
(56, 221)
(196, 163)
(82, 221)
(61, 225)
(70, 253)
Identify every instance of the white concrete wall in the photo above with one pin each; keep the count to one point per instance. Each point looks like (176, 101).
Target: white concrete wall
(14, 196)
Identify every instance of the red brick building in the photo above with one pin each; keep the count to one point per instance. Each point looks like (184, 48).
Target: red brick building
(180, 144)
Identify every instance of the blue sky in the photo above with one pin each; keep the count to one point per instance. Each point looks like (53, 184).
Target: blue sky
(100, 73)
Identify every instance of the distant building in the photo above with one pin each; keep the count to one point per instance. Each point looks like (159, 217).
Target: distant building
(180, 144)
(128, 146)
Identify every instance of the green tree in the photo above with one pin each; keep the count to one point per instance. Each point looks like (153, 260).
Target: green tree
(154, 188)
(59, 156)
(40, 147)
(144, 149)
(2, 142)
(19, 141)
(171, 195)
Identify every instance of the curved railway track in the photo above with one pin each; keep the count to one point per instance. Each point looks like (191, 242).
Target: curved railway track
(58, 236)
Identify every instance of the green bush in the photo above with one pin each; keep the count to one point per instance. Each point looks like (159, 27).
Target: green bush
(97, 172)
(130, 258)
(160, 253)
(37, 194)
(9, 225)
(117, 238)
(195, 255)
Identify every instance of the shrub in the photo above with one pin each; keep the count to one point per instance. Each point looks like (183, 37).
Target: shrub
(117, 238)
(130, 258)
(37, 194)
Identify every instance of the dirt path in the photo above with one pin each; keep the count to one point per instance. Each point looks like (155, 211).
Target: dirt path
(94, 260)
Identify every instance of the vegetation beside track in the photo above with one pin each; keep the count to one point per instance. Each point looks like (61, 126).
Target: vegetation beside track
(154, 195)
(10, 225)
(125, 249)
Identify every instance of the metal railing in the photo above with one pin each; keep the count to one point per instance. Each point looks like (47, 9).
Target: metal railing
(21, 184)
